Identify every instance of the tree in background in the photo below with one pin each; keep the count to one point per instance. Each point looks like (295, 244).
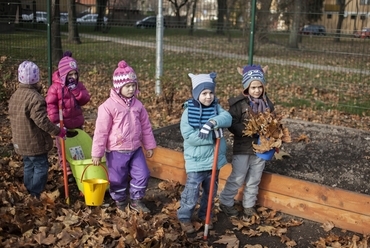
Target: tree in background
(263, 20)
(56, 40)
(178, 4)
(221, 16)
(73, 36)
(311, 11)
(194, 9)
(342, 6)
(101, 6)
(294, 34)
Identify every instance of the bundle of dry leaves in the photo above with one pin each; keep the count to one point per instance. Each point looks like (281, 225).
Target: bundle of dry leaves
(271, 131)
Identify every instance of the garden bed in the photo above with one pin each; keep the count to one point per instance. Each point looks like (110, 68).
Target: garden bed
(322, 177)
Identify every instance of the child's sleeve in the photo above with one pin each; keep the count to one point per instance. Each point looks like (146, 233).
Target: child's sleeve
(81, 94)
(223, 119)
(238, 123)
(103, 126)
(52, 104)
(148, 139)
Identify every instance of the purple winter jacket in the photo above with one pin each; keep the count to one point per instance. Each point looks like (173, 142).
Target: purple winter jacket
(121, 128)
(71, 101)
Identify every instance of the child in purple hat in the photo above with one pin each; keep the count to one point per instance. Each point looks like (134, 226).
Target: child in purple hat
(31, 128)
(247, 167)
(122, 128)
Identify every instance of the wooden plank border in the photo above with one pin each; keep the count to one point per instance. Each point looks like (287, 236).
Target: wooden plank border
(347, 210)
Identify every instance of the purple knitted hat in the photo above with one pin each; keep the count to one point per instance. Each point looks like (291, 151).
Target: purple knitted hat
(122, 75)
(28, 73)
(252, 73)
(66, 64)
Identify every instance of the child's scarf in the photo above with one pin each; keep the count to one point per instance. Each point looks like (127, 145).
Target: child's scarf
(258, 105)
(198, 114)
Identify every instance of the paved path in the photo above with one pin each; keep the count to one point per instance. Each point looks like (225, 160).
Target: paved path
(262, 60)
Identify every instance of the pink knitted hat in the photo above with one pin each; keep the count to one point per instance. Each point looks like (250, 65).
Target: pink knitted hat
(28, 73)
(122, 75)
(66, 64)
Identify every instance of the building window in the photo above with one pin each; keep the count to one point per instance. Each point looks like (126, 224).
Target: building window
(364, 2)
(329, 16)
(362, 17)
(353, 17)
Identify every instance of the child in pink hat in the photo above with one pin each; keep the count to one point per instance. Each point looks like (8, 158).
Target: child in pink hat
(122, 128)
(68, 92)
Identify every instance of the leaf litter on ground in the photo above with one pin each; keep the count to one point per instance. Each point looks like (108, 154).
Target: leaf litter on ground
(28, 222)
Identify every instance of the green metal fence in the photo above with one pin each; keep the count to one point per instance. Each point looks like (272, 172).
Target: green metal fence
(321, 74)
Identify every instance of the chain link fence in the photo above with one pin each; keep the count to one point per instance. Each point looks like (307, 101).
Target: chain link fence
(322, 72)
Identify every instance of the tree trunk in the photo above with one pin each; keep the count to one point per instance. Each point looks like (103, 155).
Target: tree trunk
(342, 7)
(56, 41)
(294, 32)
(193, 17)
(73, 36)
(263, 21)
(222, 10)
(100, 6)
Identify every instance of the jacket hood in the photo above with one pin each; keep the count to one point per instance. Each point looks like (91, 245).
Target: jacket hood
(56, 78)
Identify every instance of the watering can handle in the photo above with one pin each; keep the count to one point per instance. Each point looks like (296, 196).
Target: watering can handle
(106, 172)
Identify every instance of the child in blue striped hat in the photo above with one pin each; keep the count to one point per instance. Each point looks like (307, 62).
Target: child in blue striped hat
(247, 167)
(201, 124)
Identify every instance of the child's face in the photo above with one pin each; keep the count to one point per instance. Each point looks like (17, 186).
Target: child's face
(206, 97)
(72, 75)
(255, 89)
(128, 90)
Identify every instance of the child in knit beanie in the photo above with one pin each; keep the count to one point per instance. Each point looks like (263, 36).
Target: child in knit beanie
(201, 125)
(247, 167)
(122, 128)
(31, 128)
(70, 93)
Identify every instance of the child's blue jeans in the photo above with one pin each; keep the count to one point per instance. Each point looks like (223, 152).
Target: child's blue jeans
(190, 195)
(35, 173)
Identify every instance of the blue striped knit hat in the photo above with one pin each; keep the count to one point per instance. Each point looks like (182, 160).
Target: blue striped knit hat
(201, 82)
(252, 73)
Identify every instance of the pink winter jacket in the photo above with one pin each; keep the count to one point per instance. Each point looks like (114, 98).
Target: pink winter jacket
(121, 128)
(71, 101)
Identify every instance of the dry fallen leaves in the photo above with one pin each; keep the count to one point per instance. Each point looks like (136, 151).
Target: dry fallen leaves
(271, 131)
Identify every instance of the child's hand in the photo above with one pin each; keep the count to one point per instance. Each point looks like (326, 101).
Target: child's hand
(96, 160)
(149, 153)
(204, 132)
(219, 133)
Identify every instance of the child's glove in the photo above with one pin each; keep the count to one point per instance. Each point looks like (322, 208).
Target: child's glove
(204, 132)
(62, 133)
(219, 133)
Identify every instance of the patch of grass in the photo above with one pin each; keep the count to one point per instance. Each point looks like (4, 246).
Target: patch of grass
(292, 84)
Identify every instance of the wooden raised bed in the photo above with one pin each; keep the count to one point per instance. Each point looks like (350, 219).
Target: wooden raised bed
(347, 210)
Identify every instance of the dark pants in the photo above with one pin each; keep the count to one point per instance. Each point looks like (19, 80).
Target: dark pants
(35, 173)
(122, 166)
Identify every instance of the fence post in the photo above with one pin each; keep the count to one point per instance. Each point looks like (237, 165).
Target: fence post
(251, 37)
(159, 51)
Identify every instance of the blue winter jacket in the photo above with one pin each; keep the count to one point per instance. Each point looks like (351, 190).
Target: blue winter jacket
(199, 153)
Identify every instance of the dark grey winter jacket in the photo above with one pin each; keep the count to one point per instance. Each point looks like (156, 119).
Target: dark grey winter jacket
(238, 108)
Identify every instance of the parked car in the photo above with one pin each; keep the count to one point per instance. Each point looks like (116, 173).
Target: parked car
(364, 33)
(63, 18)
(148, 22)
(41, 17)
(313, 30)
(90, 19)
